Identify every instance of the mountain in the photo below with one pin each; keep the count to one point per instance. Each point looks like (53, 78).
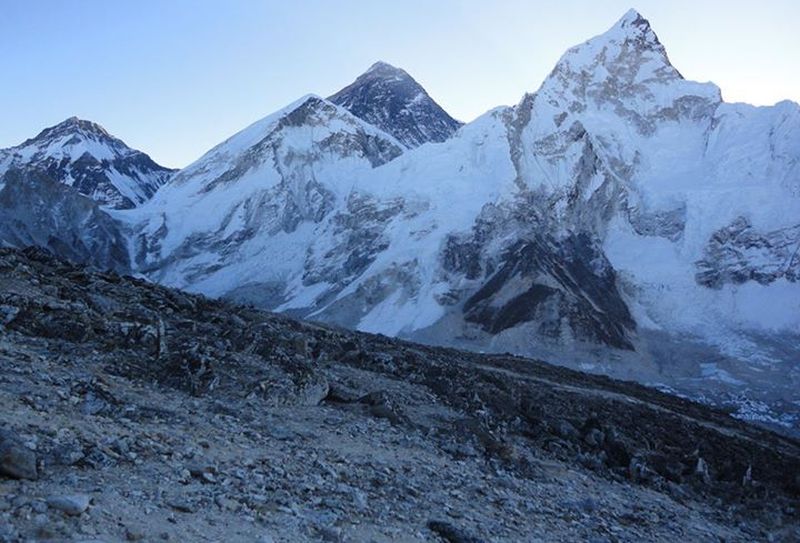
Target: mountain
(389, 98)
(615, 217)
(164, 416)
(82, 155)
(621, 219)
(36, 210)
(248, 210)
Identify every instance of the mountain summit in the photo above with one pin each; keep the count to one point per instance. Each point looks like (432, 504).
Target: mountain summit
(389, 98)
(83, 155)
(625, 69)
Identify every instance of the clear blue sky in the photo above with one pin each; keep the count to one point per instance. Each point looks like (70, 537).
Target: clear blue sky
(175, 77)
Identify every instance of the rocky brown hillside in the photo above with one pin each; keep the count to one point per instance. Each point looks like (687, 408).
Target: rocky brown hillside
(134, 412)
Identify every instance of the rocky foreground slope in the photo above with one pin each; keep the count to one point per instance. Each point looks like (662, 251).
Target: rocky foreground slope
(132, 411)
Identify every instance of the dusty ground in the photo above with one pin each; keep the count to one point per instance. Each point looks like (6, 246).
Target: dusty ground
(185, 419)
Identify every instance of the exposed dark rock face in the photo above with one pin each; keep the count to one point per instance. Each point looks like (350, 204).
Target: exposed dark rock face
(739, 253)
(390, 99)
(36, 210)
(666, 224)
(554, 283)
(82, 155)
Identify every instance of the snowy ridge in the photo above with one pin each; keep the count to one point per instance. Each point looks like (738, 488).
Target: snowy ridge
(258, 193)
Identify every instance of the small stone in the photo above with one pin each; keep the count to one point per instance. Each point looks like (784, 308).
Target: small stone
(182, 505)
(71, 505)
(227, 504)
(330, 534)
(701, 471)
(384, 411)
(339, 393)
(450, 533)
(134, 533)
(17, 461)
(8, 313)
(565, 430)
(594, 437)
(39, 506)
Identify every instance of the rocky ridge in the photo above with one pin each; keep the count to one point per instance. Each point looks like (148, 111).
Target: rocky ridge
(137, 412)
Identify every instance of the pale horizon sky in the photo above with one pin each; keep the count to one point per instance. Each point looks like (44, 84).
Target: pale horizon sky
(175, 77)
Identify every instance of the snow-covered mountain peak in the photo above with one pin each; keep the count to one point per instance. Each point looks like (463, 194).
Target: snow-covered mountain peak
(309, 123)
(280, 178)
(72, 138)
(75, 126)
(634, 25)
(629, 51)
(82, 154)
(389, 98)
(623, 74)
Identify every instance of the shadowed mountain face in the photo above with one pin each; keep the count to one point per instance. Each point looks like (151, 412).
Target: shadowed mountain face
(36, 210)
(389, 98)
(82, 155)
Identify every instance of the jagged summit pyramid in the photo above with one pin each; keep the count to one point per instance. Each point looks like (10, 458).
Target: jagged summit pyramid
(389, 98)
(624, 71)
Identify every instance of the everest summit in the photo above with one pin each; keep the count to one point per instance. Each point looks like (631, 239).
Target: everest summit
(392, 100)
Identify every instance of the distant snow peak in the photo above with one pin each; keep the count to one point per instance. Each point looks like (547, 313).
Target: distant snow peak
(74, 130)
(390, 99)
(83, 155)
